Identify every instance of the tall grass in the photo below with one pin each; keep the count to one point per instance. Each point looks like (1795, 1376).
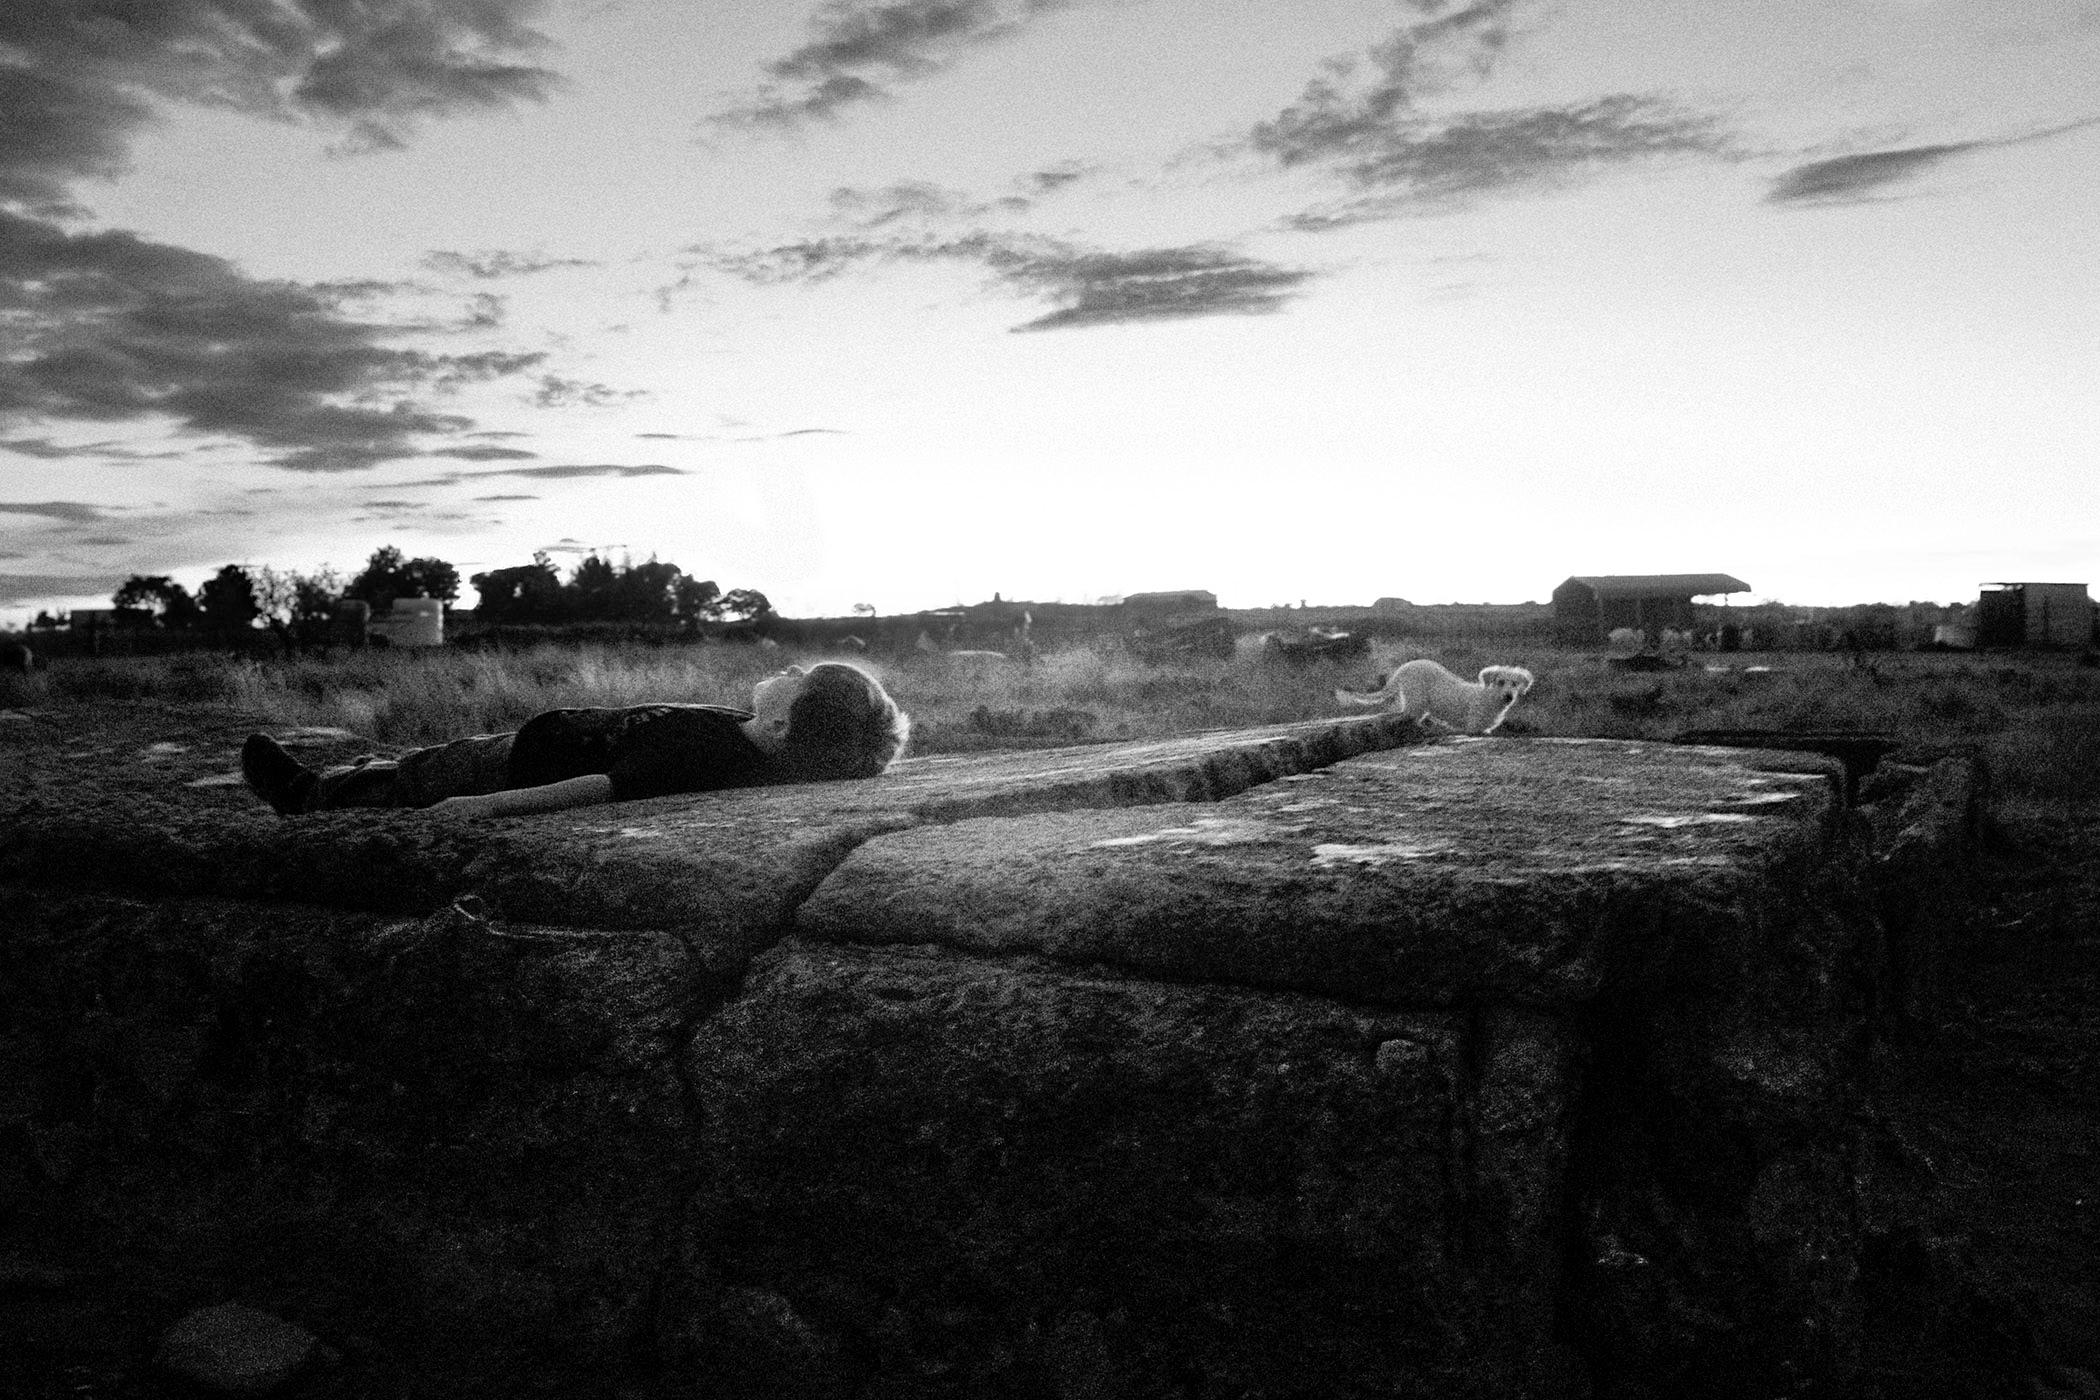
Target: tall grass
(2036, 717)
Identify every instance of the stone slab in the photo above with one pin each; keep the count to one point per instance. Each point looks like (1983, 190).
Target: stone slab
(725, 869)
(1498, 869)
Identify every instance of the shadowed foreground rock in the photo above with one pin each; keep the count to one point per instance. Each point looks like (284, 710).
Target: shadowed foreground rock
(1290, 1063)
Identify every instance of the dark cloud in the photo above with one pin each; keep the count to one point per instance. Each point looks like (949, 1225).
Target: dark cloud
(40, 447)
(447, 373)
(58, 130)
(557, 392)
(506, 498)
(496, 262)
(75, 91)
(1361, 118)
(1852, 179)
(72, 512)
(29, 588)
(111, 327)
(862, 52)
(1089, 287)
(1849, 178)
(1354, 103)
(390, 505)
(1416, 164)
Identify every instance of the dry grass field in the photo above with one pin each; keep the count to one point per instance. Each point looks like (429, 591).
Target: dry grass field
(2036, 716)
(1997, 1293)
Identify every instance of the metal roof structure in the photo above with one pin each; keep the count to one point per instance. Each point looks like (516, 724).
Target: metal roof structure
(1658, 585)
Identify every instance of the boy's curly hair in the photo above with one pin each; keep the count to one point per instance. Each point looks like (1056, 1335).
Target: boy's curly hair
(842, 725)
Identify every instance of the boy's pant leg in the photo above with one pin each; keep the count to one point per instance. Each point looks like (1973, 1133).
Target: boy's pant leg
(462, 768)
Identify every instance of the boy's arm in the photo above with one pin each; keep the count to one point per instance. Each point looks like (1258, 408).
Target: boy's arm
(586, 791)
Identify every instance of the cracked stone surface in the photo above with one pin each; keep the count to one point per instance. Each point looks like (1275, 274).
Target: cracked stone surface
(1313, 1060)
(1462, 869)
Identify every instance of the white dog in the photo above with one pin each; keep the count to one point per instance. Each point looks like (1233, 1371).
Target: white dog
(1426, 690)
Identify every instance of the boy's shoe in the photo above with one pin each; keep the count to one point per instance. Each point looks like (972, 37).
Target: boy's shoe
(275, 776)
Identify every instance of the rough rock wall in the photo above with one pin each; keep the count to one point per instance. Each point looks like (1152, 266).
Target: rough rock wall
(1278, 1064)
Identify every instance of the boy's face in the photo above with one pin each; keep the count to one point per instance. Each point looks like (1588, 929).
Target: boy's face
(771, 699)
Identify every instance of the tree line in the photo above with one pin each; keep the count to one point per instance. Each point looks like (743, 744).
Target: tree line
(300, 606)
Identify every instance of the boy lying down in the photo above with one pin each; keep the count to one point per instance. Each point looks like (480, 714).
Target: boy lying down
(831, 721)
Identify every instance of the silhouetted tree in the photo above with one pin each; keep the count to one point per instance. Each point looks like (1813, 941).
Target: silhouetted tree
(696, 598)
(228, 602)
(649, 592)
(524, 593)
(744, 604)
(388, 575)
(594, 589)
(146, 599)
(299, 609)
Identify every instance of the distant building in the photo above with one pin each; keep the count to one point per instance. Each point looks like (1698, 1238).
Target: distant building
(1589, 606)
(2034, 615)
(89, 619)
(1177, 601)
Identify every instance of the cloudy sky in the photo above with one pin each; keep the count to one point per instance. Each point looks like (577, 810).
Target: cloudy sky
(910, 301)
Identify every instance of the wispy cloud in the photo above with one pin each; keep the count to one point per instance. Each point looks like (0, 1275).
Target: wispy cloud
(558, 392)
(744, 437)
(1413, 165)
(912, 199)
(27, 588)
(486, 454)
(1362, 118)
(1088, 287)
(1353, 103)
(102, 451)
(564, 472)
(72, 512)
(44, 448)
(491, 263)
(921, 201)
(860, 53)
(1856, 178)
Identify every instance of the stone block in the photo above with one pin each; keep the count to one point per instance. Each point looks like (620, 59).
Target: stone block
(974, 1175)
(1466, 869)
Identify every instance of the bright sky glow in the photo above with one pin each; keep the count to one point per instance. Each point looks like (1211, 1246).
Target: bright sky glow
(910, 302)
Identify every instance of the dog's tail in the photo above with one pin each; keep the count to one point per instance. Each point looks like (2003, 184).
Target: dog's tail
(1371, 699)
